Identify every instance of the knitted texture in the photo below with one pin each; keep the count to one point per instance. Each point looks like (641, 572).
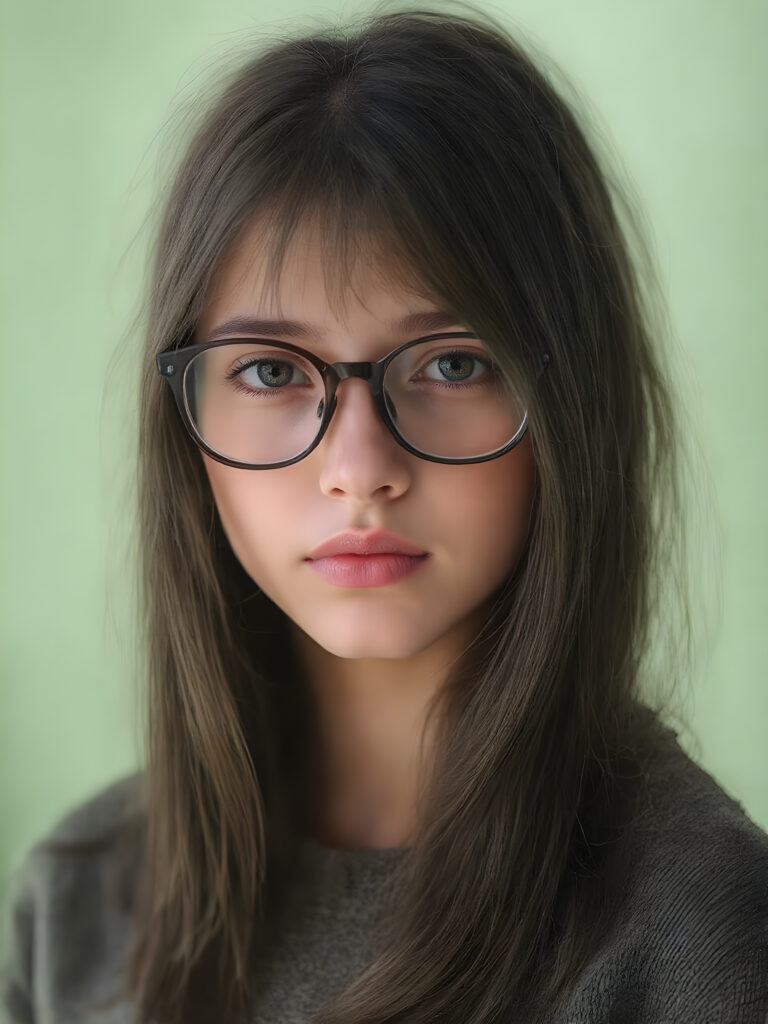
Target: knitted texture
(690, 945)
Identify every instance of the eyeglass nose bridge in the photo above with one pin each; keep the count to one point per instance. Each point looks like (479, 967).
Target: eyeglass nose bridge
(371, 372)
(365, 371)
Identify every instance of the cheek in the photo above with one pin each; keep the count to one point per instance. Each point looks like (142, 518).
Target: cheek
(491, 509)
(252, 512)
(500, 493)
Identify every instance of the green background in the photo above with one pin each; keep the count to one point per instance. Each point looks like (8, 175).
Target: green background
(87, 89)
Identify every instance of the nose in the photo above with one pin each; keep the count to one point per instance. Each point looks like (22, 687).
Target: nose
(359, 457)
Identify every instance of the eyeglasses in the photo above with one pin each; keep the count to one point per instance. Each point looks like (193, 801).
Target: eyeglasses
(255, 403)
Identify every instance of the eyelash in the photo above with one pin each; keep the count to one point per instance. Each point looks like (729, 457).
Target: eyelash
(233, 377)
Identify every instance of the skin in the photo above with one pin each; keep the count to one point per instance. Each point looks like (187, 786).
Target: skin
(374, 657)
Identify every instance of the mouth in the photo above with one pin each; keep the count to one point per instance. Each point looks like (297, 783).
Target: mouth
(366, 542)
(374, 570)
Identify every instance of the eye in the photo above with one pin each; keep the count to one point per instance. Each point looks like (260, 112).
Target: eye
(455, 370)
(254, 375)
(271, 372)
(457, 366)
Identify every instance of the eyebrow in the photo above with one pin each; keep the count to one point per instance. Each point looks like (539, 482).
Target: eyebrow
(429, 320)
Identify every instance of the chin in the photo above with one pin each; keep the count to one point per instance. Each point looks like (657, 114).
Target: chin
(358, 643)
(358, 649)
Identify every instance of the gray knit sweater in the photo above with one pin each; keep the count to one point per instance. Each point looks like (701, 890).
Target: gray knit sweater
(690, 945)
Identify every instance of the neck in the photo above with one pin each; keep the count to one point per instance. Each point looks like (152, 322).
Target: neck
(372, 761)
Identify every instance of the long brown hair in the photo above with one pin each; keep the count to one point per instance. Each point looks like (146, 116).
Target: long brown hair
(429, 143)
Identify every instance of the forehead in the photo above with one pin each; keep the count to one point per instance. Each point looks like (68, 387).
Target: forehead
(312, 279)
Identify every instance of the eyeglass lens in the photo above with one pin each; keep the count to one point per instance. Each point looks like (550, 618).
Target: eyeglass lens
(255, 403)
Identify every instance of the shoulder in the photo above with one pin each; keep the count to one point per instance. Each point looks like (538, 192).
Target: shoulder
(691, 833)
(691, 939)
(91, 826)
(94, 841)
(85, 839)
(68, 901)
(97, 816)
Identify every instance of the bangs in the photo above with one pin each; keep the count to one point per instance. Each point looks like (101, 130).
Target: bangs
(355, 239)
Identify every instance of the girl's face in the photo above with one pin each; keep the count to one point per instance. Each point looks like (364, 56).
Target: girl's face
(471, 520)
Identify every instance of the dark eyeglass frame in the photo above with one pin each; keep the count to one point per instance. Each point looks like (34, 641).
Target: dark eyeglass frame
(174, 363)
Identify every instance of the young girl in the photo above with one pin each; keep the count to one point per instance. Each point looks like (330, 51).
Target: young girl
(409, 494)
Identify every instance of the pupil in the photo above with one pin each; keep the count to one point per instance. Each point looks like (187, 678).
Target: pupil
(452, 364)
(271, 374)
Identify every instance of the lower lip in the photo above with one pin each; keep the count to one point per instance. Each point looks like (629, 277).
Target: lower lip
(367, 570)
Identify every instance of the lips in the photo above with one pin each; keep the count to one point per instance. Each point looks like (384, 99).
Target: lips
(366, 542)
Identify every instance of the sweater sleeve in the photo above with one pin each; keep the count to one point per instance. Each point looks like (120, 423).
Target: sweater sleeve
(16, 1002)
(65, 931)
(709, 963)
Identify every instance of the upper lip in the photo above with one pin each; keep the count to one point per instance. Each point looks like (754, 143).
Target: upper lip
(365, 542)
